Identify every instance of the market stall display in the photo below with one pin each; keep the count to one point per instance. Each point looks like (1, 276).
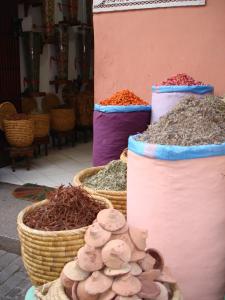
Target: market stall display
(62, 50)
(113, 264)
(115, 119)
(175, 170)
(109, 181)
(52, 231)
(48, 16)
(171, 91)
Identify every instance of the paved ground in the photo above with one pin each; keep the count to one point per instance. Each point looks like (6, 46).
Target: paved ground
(13, 279)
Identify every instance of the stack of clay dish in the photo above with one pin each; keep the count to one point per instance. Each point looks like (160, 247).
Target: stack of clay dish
(114, 264)
(117, 198)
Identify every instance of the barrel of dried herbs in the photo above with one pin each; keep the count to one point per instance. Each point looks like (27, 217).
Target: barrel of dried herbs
(176, 189)
(116, 118)
(171, 91)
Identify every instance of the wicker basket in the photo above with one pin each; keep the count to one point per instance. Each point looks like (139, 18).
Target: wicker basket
(123, 156)
(54, 290)
(28, 104)
(41, 124)
(6, 110)
(46, 252)
(62, 119)
(49, 102)
(19, 133)
(118, 199)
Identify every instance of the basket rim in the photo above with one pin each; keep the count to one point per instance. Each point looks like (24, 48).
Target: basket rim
(24, 227)
(78, 180)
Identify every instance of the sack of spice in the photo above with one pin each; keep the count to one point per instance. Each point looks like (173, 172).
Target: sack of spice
(176, 172)
(171, 91)
(115, 119)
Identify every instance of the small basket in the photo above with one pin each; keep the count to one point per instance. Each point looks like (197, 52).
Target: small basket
(45, 253)
(19, 133)
(62, 119)
(118, 199)
(7, 109)
(41, 124)
(123, 155)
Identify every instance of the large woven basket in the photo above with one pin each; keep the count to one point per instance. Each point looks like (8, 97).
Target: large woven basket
(41, 124)
(54, 290)
(6, 110)
(123, 155)
(19, 133)
(62, 119)
(118, 199)
(45, 253)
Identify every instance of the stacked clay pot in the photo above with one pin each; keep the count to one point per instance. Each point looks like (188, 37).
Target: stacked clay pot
(114, 264)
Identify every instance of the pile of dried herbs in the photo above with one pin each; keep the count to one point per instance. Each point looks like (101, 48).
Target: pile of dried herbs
(191, 122)
(112, 177)
(68, 208)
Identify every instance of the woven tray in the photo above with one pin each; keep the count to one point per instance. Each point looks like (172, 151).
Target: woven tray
(118, 199)
(45, 253)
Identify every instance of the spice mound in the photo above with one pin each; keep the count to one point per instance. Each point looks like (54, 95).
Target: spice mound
(68, 208)
(112, 177)
(124, 97)
(181, 79)
(119, 267)
(191, 122)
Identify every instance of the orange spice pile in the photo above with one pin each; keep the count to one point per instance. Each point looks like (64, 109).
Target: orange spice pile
(124, 97)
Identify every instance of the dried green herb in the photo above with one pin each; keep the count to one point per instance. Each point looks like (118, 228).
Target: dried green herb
(191, 122)
(112, 177)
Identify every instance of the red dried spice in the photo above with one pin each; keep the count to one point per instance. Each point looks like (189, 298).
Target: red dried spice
(68, 208)
(124, 97)
(181, 79)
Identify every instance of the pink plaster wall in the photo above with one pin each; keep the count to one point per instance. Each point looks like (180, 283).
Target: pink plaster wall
(136, 49)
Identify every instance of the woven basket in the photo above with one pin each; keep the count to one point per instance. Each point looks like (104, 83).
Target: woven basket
(62, 119)
(6, 110)
(118, 199)
(45, 253)
(28, 104)
(54, 290)
(19, 133)
(123, 155)
(41, 124)
(49, 102)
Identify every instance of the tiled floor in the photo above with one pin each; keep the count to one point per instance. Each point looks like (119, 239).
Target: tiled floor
(59, 167)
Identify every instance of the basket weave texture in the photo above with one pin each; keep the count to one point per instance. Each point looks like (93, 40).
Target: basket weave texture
(62, 119)
(118, 199)
(19, 133)
(123, 155)
(41, 124)
(6, 110)
(45, 253)
(54, 290)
